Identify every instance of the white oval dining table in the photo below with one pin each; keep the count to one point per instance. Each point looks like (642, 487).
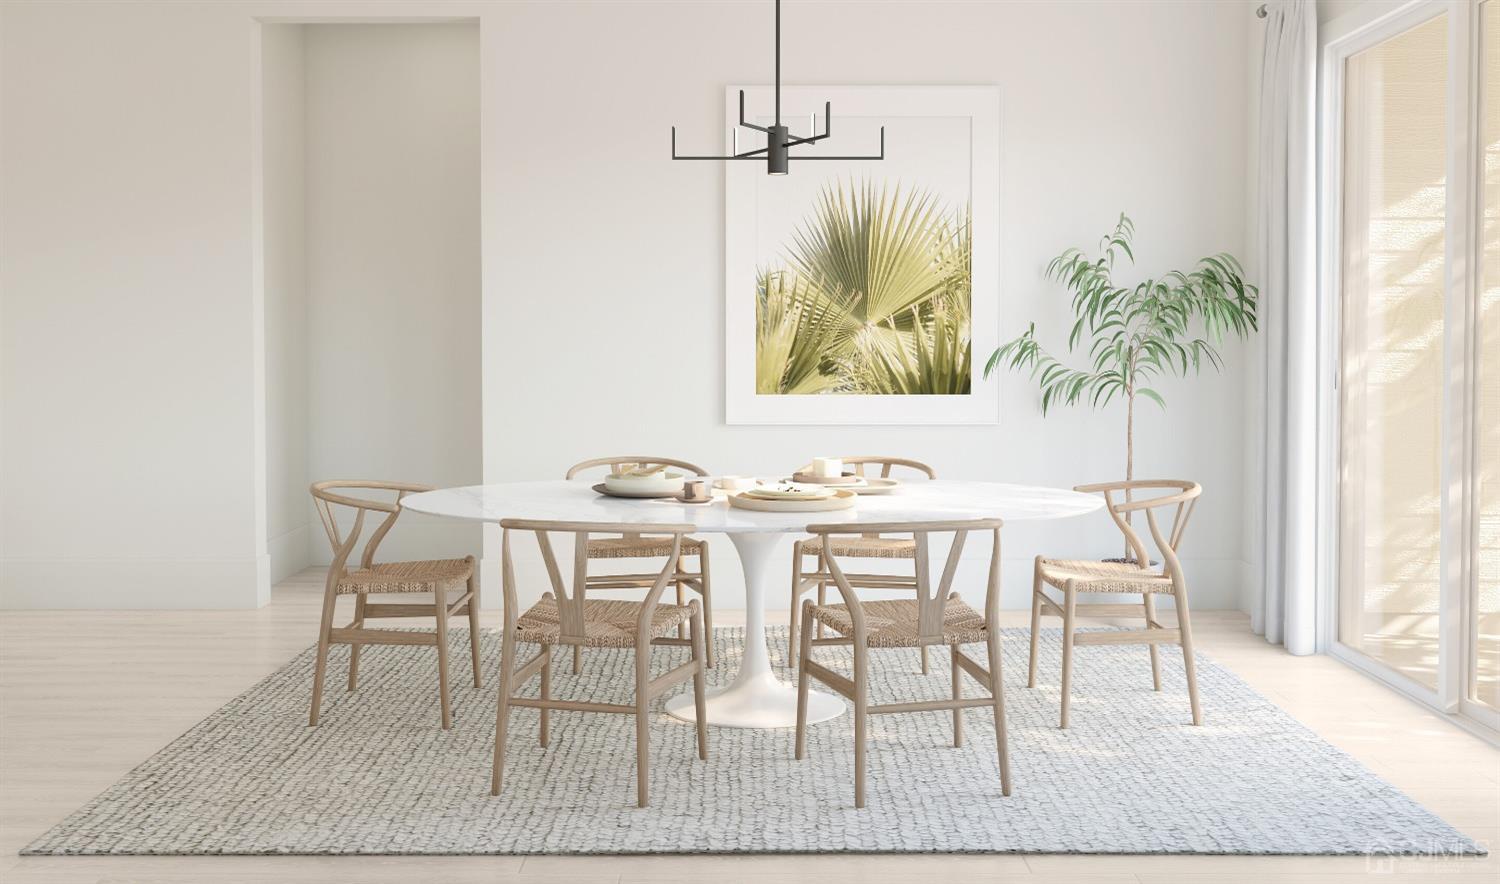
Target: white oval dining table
(755, 697)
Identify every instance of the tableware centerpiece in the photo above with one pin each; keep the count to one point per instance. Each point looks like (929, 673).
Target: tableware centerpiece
(829, 471)
(814, 479)
(641, 480)
(695, 491)
(792, 497)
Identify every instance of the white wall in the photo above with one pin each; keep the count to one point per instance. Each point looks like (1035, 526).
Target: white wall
(1329, 10)
(1105, 107)
(128, 457)
(289, 518)
(588, 229)
(393, 266)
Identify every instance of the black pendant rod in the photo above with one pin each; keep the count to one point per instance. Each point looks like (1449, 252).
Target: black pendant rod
(778, 63)
(779, 138)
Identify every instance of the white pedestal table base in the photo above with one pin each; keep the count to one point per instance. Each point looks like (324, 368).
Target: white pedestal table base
(756, 697)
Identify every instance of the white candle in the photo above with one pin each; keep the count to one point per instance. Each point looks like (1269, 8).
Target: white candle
(828, 467)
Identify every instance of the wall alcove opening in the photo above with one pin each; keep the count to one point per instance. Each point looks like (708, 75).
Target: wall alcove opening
(370, 263)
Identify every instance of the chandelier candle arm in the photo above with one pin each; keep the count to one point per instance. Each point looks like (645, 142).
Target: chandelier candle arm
(827, 128)
(743, 121)
(879, 156)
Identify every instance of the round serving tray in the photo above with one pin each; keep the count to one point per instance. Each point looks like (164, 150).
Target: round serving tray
(841, 500)
(634, 495)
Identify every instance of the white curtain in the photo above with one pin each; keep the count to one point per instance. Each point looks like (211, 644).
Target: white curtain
(1287, 274)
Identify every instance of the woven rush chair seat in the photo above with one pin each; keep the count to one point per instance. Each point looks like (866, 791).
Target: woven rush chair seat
(893, 623)
(639, 547)
(607, 623)
(864, 547)
(1096, 576)
(438, 575)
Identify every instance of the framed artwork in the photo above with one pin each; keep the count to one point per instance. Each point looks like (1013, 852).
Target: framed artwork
(865, 292)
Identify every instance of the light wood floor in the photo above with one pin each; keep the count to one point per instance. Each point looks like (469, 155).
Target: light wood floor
(85, 696)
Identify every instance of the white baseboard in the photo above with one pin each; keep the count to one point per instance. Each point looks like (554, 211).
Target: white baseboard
(134, 584)
(290, 552)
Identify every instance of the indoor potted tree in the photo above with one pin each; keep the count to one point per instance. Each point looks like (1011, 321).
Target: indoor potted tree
(1165, 326)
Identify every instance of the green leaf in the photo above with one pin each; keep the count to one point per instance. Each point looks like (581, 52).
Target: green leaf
(1137, 332)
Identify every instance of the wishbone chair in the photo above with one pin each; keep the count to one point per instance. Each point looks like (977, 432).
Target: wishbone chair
(439, 577)
(936, 616)
(570, 618)
(1077, 576)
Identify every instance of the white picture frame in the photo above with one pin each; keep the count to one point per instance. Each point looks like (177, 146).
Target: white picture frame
(747, 194)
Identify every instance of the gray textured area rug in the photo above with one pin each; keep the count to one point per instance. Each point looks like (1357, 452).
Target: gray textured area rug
(378, 776)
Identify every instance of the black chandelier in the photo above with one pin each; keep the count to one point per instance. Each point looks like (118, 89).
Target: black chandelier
(779, 138)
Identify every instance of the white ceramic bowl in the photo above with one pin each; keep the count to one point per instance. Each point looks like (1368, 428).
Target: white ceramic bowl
(734, 483)
(661, 483)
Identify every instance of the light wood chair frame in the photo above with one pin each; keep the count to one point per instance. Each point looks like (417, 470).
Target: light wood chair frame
(572, 610)
(326, 496)
(931, 606)
(1183, 496)
(682, 579)
(804, 582)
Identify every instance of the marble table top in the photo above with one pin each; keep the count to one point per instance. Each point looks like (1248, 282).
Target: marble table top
(919, 500)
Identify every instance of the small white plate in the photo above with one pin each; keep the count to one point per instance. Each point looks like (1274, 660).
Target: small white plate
(790, 491)
(876, 486)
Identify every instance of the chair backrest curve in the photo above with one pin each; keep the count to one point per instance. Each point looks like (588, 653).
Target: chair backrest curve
(330, 493)
(932, 598)
(613, 462)
(1181, 494)
(570, 602)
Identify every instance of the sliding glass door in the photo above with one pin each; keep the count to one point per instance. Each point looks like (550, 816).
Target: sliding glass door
(1411, 177)
(1392, 349)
